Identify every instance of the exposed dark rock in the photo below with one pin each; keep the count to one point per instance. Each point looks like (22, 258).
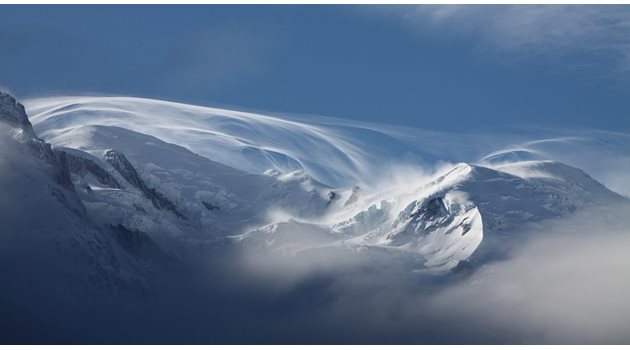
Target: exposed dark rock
(14, 114)
(430, 210)
(332, 196)
(42, 150)
(139, 208)
(63, 175)
(211, 206)
(466, 227)
(129, 173)
(356, 192)
(139, 244)
(82, 166)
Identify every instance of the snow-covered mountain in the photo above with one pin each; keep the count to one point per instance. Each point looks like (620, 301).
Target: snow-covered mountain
(467, 213)
(340, 153)
(48, 232)
(143, 234)
(331, 152)
(182, 177)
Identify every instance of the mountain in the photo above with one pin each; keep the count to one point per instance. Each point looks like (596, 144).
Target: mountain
(47, 230)
(117, 194)
(128, 214)
(190, 176)
(336, 152)
(469, 213)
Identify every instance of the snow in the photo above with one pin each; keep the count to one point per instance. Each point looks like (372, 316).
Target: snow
(46, 234)
(451, 216)
(289, 184)
(255, 143)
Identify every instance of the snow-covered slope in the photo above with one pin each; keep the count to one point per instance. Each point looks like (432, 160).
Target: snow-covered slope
(46, 232)
(197, 175)
(467, 213)
(336, 152)
(168, 190)
(331, 152)
(594, 151)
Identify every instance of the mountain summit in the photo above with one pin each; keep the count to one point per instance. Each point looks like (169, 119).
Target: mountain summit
(122, 201)
(133, 165)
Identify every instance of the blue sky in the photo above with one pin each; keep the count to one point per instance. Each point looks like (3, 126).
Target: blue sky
(436, 67)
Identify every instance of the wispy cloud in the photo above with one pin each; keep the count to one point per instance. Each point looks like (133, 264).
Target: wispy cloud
(582, 37)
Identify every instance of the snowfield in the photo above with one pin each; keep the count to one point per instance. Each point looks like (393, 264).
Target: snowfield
(152, 213)
(337, 152)
(255, 143)
(295, 185)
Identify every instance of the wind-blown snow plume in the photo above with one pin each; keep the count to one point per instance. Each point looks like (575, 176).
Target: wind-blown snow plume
(336, 152)
(238, 223)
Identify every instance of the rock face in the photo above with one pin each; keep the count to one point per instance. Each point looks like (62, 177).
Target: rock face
(354, 196)
(140, 245)
(13, 116)
(63, 176)
(82, 166)
(128, 172)
(13, 113)
(48, 242)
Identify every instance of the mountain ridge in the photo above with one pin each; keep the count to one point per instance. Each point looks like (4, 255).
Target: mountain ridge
(126, 178)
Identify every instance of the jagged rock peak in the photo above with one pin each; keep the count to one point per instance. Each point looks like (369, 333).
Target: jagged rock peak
(13, 112)
(121, 164)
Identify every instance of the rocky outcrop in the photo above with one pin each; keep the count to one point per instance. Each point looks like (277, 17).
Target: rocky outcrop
(140, 245)
(82, 166)
(122, 165)
(432, 209)
(354, 196)
(211, 206)
(14, 114)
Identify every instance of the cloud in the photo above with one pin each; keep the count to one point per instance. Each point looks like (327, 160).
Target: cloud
(572, 35)
(566, 284)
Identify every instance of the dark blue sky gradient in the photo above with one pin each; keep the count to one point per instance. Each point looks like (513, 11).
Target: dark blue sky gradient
(342, 61)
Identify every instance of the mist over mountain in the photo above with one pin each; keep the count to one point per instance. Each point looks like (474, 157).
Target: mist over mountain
(131, 220)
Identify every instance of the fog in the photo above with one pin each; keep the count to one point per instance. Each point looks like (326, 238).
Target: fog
(566, 284)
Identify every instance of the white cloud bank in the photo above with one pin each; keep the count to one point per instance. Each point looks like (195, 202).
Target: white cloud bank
(566, 284)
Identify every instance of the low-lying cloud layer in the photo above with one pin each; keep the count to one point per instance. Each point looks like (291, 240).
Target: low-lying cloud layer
(566, 284)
